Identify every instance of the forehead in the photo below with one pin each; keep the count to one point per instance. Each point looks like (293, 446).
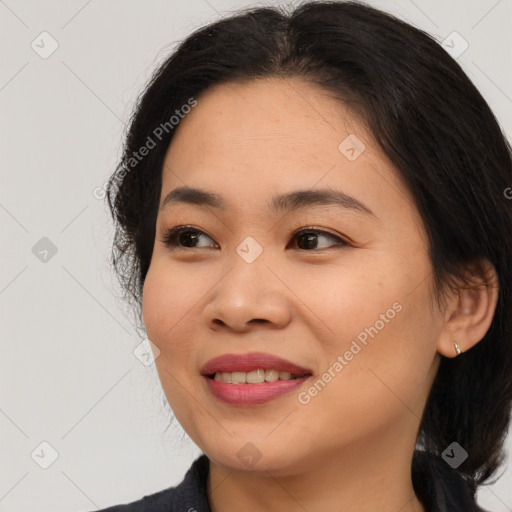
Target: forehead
(254, 139)
(275, 113)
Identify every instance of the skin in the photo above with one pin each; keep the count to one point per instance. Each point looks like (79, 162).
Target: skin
(350, 447)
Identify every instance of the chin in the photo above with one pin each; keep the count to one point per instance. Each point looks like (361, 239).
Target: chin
(256, 458)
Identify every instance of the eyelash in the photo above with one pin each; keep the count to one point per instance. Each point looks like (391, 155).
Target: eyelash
(170, 239)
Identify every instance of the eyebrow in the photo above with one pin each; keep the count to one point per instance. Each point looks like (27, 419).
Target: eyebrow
(290, 201)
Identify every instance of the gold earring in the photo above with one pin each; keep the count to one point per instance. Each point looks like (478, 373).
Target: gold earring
(457, 348)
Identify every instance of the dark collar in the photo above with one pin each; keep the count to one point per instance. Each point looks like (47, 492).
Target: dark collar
(439, 488)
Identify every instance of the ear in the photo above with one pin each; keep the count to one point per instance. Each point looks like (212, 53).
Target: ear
(469, 310)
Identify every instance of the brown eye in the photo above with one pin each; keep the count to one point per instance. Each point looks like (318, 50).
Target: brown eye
(305, 239)
(184, 236)
(311, 239)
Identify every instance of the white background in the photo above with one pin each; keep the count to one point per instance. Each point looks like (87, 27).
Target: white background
(67, 369)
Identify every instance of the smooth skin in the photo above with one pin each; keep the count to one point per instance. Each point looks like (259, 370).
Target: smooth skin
(303, 299)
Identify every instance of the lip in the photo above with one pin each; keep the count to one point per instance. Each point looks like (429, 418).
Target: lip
(244, 395)
(249, 362)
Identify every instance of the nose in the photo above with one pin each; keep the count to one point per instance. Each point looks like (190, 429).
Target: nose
(248, 296)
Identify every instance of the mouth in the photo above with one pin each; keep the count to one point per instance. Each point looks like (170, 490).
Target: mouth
(252, 368)
(251, 379)
(244, 394)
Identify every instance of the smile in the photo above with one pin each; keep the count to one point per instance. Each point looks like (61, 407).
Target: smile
(251, 378)
(254, 377)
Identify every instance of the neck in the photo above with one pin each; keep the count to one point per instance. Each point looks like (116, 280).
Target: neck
(362, 477)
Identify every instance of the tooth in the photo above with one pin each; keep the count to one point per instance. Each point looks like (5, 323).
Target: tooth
(238, 378)
(271, 375)
(255, 377)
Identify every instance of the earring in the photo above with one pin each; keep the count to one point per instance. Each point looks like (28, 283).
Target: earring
(457, 348)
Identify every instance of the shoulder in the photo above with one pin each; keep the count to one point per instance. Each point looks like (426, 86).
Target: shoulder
(188, 496)
(158, 501)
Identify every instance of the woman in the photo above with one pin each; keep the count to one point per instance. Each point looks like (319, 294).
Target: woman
(312, 222)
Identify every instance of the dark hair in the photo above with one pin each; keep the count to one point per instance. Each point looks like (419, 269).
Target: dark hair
(433, 125)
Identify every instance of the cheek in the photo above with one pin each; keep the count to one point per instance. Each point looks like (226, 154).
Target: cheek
(168, 297)
(165, 309)
(384, 382)
(155, 303)
(391, 373)
(362, 295)
(386, 334)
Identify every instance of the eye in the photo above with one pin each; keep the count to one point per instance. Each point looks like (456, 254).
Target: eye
(306, 239)
(310, 239)
(185, 236)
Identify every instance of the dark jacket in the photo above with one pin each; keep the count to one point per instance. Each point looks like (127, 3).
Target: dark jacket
(439, 488)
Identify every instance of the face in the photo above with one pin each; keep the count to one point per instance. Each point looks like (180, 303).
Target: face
(338, 285)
